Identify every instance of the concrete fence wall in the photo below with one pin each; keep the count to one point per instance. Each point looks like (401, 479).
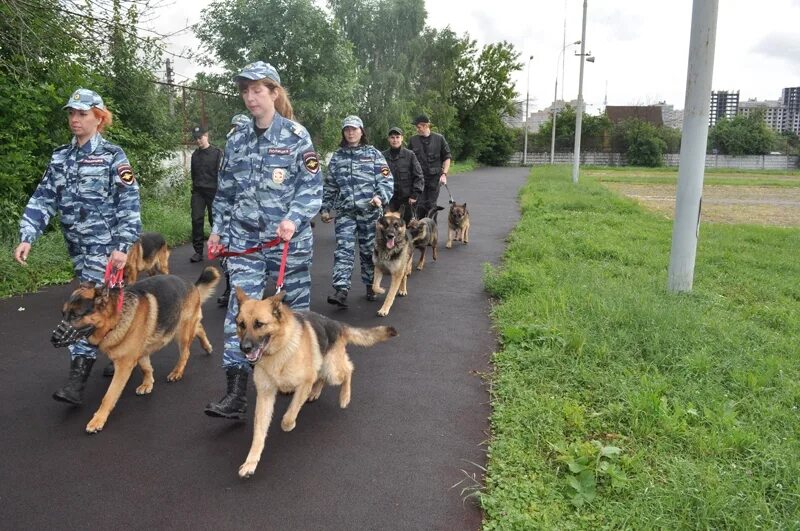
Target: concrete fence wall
(747, 162)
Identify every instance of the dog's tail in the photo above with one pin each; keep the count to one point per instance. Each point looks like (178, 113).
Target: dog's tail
(366, 337)
(208, 280)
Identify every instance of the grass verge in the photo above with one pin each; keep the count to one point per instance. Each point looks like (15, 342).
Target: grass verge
(618, 405)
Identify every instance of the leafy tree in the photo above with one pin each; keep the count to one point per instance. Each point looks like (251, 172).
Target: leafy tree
(595, 131)
(485, 93)
(742, 135)
(641, 141)
(314, 59)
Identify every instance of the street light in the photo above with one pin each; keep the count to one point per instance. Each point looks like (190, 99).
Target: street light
(555, 98)
(579, 112)
(527, 101)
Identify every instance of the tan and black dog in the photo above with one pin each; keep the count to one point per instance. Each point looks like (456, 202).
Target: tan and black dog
(149, 254)
(424, 234)
(154, 311)
(392, 256)
(457, 224)
(294, 353)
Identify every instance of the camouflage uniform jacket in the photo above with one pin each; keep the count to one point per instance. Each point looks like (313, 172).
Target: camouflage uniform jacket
(355, 176)
(263, 180)
(95, 194)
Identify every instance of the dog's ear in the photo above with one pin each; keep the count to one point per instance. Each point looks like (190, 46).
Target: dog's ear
(241, 296)
(402, 211)
(277, 299)
(89, 284)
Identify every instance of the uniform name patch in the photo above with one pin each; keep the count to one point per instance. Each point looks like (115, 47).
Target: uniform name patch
(125, 173)
(93, 160)
(385, 171)
(366, 160)
(311, 161)
(278, 151)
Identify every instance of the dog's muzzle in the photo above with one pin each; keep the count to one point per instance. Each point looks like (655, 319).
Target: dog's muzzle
(65, 334)
(252, 351)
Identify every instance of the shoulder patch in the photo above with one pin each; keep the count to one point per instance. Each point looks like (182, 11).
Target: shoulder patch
(311, 161)
(385, 171)
(125, 173)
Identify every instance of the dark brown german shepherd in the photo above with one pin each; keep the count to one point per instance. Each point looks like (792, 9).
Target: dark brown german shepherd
(392, 256)
(149, 254)
(457, 224)
(154, 311)
(294, 353)
(424, 234)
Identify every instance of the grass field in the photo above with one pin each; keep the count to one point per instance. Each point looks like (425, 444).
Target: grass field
(617, 405)
(752, 197)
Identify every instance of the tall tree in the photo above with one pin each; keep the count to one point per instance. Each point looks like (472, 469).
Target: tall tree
(742, 135)
(314, 59)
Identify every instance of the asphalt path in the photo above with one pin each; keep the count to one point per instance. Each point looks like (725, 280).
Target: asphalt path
(416, 425)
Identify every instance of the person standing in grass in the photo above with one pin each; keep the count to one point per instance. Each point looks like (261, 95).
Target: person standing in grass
(90, 184)
(206, 160)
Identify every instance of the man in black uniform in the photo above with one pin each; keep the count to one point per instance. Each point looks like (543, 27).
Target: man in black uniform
(205, 166)
(434, 156)
(408, 180)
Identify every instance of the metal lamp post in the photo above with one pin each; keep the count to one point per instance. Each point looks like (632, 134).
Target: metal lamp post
(579, 111)
(527, 101)
(555, 99)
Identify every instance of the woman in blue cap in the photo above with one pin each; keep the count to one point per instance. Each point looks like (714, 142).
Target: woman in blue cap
(90, 184)
(269, 185)
(358, 185)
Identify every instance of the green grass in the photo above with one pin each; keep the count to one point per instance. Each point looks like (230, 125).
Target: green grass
(166, 212)
(619, 405)
(713, 176)
(463, 166)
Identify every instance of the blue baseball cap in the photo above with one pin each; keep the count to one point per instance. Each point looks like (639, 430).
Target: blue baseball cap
(258, 70)
(353, 121)
(84, 99)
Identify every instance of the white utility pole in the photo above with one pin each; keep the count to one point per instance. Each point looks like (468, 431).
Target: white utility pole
(553, 129)
(579, 111)
(527, 101)
(694, 137)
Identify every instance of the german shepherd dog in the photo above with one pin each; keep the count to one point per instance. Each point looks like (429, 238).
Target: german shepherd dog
(150, 253)
(424, 234)
(392, 256)
(458, 224)
(294, 353)
(154, 311)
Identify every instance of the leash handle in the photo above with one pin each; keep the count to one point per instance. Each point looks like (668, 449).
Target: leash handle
(272, 243)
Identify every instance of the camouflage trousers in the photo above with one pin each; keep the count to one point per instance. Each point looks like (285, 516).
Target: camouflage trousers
(88, 267)
(349, 227)
(250, 273)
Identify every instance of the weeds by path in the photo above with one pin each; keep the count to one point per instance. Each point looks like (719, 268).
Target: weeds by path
(618, 405)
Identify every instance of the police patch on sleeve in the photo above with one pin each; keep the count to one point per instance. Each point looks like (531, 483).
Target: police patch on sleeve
(385, 171)
(311, 161)
(125, 173)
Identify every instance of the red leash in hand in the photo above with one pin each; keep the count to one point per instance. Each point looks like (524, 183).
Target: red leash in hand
(272, 243)
(114, 279)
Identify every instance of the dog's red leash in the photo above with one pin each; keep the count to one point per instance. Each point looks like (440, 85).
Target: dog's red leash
(114, 279)
(272, 243)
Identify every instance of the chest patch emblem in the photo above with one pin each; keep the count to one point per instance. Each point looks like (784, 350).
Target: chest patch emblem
(278, 175)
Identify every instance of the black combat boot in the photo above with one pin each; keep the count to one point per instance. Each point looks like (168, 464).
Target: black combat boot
(72, 393)
(222, 300)
(370, 293)
(339, 298)
(234, 404)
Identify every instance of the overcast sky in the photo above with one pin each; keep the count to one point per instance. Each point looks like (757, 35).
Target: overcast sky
(641, 46)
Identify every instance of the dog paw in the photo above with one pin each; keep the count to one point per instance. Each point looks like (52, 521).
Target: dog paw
(402, 293)
(466, 242)
(420, 268)
(174, 376)
(248, 469)
(95, 425)
(378, 290)
(449, 245)
(383, 313)
(288, 424)
(144, 389)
